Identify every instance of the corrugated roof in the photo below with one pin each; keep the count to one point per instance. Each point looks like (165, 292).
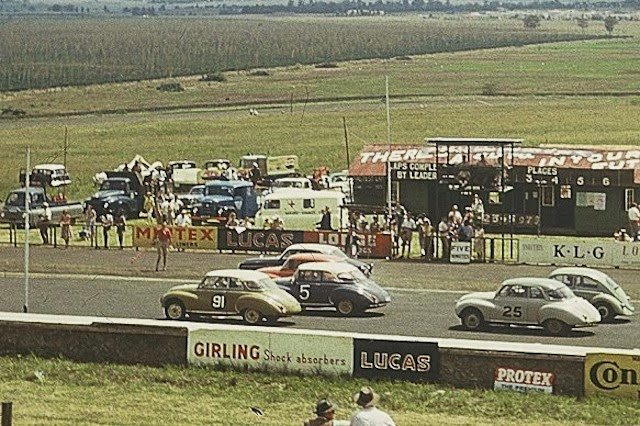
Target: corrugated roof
(372, 159)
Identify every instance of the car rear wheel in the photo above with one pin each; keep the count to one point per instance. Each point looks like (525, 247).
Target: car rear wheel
(555, 327)
(606, 312)
(472, 319)
(174, 309)
(345, 307)
(252, 316)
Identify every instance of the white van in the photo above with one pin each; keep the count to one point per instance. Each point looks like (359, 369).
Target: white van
(301, 209)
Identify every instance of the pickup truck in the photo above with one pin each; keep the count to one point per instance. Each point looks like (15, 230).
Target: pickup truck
(221, 197)
(120, 191)
(14, 209)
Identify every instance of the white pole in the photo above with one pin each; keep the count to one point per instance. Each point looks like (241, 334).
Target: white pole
(27, 201)
(389, 152)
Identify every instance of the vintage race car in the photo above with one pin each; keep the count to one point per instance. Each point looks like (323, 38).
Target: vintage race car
(251, 294)
(528, 301)
(291, 264)
(598, 288)
(334, 284)
(261, 262)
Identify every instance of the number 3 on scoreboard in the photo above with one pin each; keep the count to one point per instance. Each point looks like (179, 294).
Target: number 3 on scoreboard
(217, 302)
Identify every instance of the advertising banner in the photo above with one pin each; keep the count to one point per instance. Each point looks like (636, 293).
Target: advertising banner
(391, 359)
(612, 375)
(193, 237)
(518, 380)
(562, 251)
(460, 252)
(257, 239)
(312, 354)
(629, 255)
(376, 245)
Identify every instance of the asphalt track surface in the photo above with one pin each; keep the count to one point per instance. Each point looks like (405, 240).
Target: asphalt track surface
(123, 284)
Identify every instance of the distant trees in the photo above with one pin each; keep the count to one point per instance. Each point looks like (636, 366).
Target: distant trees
(610, 23)
(531, 21)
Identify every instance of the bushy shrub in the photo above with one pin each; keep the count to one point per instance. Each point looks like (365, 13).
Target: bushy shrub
(170, 87)
(214, 76)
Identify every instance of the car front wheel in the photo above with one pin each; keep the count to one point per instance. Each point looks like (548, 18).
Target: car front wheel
(345, 307)
(174, 310)
(472, 319)
(606, 312)
(556, 327)
(251, 316)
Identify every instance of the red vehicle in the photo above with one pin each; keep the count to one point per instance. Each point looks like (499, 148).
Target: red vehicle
(291, 265)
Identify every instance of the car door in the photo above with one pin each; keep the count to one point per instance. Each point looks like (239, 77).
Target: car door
(536, 299)
(308, 289)
(214, 297)
(585, 287)
(510, 305)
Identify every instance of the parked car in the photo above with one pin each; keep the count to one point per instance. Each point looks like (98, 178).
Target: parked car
(193, 197)
(251, 294)
(261, 262)
(528, 301)
(289, 267)
(334, 284)
(598, 288)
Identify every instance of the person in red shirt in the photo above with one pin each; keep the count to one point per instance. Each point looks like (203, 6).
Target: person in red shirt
(163, 241)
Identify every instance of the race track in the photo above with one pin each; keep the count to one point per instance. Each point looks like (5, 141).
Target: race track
(425, 313)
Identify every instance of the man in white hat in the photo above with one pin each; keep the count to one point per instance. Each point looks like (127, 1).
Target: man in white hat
(369, 415)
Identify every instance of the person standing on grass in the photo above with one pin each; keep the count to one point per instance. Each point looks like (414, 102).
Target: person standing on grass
(121, 227)
(90, 219)
(65, 227)
(163, 242)
(369, 415)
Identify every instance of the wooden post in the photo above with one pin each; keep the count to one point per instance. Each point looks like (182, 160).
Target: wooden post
(6, 413)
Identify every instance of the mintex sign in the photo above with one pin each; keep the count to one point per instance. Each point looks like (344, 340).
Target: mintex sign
(199, 237)
(612, 375)
(518, 380)
(390, 359)
(304, 353)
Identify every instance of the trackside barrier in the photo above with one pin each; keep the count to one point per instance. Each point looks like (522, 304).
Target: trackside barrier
(459, 363)
(580, 252)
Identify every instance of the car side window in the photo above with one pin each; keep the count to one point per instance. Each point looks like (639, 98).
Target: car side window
(305, 276)
(588, 284)
(565, 279)
(536, 293)
(293, 264)
(208, 282)
(329, 277)
(235, 284)
(513, 291)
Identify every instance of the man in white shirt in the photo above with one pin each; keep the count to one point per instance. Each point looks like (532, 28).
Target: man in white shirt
(369, 415)
(634, 221)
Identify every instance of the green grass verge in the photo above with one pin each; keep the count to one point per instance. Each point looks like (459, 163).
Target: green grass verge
(89, 394)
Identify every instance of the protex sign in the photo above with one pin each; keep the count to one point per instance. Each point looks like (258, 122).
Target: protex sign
(391, 359)
(199, 237)
(305, 353)
(518, 380)
(568, 252)
(612, 375)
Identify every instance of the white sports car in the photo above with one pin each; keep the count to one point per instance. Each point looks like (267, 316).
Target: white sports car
(528, 301)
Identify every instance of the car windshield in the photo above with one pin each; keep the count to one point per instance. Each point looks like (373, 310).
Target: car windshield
(112, 184)
(560, 293)
(262, 285)
(218, 190)
(15, 199)
(338, 253)
(352, 276)
(197, 190)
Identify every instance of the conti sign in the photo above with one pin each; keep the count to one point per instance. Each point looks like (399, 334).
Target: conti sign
(613, 375)
(183, 237)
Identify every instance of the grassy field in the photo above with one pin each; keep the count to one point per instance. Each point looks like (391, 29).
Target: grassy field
(64, 393)
(581, 93)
